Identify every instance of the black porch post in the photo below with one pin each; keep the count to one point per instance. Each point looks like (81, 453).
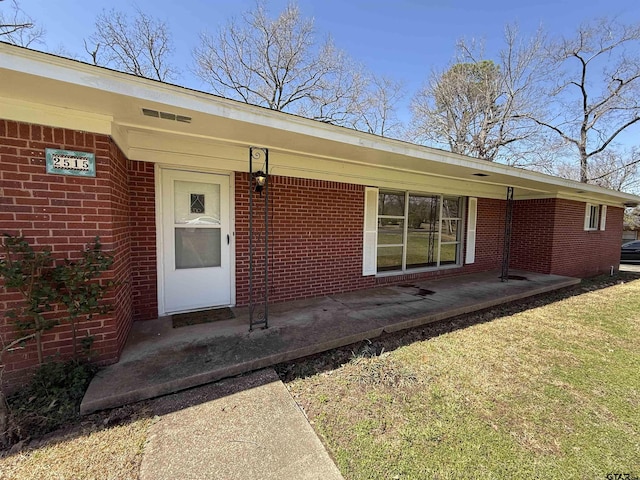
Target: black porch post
(506, 249)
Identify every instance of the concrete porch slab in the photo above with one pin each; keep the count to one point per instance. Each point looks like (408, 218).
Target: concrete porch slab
(158, 359)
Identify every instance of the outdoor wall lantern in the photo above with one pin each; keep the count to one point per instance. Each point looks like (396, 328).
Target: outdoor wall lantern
(260, 178)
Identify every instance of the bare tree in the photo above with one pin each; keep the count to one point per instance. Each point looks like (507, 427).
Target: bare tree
(476, 106)
(337, 96)
(615, 169)
(141, 46)
(277, 63)
(377, 110)
(594, 93)
(273, 63)
(459, 108)
(18, 28)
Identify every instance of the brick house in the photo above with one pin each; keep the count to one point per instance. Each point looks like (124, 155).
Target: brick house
(170, 199)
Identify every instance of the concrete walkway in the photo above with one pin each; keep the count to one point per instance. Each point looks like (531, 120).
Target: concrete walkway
(249, 428)
(158, 359)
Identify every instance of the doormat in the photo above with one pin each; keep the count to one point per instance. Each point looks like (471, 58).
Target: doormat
(203, 316)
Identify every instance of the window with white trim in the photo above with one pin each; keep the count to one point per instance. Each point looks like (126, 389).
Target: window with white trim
(417, 231)
(595, 217)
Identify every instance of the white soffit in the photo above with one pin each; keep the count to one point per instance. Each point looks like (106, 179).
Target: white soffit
(58, 83)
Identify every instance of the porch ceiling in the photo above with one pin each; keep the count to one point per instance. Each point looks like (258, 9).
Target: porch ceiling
(43, 88)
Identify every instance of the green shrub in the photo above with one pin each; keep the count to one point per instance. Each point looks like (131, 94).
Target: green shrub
(52, 398)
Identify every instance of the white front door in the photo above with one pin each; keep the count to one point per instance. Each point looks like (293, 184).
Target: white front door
(195, 240)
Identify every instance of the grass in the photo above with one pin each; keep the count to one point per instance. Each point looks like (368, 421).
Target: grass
(550, 392)
(111, 453)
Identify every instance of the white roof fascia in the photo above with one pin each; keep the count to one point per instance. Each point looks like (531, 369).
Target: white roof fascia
(81, 74)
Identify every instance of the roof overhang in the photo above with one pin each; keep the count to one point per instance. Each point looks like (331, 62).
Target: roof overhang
(50, 90)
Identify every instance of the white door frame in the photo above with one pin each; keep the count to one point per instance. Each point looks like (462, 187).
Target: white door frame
(158, 171)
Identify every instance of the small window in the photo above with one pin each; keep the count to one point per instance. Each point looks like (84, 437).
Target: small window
(592, 218)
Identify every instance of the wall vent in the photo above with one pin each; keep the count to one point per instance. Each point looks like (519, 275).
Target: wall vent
(166, 115)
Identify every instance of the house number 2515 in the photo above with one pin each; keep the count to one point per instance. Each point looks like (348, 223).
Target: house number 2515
(67, 162)
(74, 163)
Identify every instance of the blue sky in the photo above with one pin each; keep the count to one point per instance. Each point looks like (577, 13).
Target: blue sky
(404, 39)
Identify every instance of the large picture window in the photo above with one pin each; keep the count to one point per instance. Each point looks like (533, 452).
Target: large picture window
(417, 231)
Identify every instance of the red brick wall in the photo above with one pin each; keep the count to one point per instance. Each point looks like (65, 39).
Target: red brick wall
(315, 237)
(144, 279)
(549, 237)
(64, 213)
(532, 234)
(580, 253)
(116, 236)
(489, 235)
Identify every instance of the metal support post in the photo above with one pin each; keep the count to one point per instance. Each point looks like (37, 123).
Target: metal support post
(506, 250)
(258, 281)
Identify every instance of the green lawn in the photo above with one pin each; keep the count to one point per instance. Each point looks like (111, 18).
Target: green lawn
(551, 392)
